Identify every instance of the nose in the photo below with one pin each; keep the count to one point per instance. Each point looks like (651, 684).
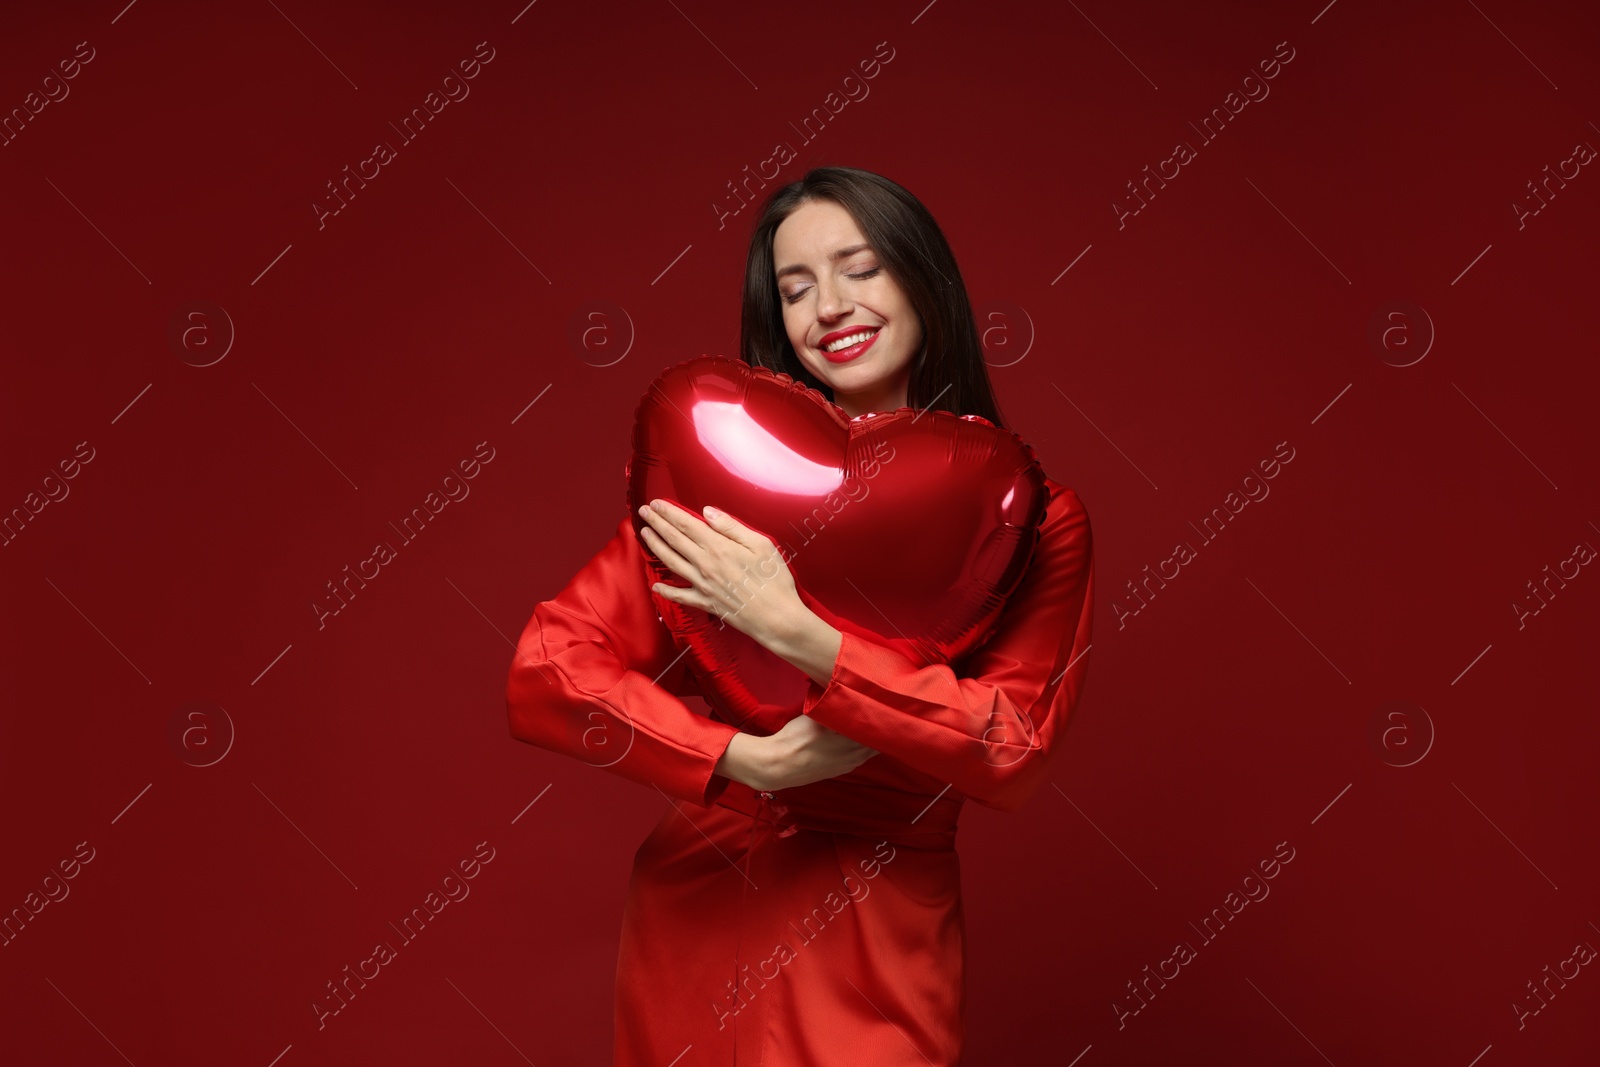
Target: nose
(831, 300)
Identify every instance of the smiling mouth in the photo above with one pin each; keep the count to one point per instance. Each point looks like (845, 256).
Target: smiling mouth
(855, 346)
(850, 346)
(850, 341)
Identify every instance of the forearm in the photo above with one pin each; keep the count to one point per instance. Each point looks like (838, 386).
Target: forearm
(810, 644)
(747, 759)
(788, 758)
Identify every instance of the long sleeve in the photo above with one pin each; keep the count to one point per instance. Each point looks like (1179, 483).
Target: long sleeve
(989, 730)
(583, 681)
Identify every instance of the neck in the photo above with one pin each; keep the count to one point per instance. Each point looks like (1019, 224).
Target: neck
(887, 398)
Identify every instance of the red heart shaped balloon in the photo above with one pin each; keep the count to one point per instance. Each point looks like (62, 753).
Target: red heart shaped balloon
(909, 529)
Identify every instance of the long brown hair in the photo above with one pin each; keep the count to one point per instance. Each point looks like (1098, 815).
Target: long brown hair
(949, 374)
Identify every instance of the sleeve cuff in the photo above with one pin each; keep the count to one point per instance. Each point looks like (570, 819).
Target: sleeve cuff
(820, 700)
(715, 783)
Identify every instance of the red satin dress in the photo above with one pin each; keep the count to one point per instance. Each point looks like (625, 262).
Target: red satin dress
(820, 925)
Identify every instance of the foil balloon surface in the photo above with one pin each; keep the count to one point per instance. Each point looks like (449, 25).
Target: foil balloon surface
(908, 529)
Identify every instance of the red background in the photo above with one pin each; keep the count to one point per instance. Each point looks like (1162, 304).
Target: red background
(373, 354)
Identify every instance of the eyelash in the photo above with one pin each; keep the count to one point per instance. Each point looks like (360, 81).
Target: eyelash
(787, 299)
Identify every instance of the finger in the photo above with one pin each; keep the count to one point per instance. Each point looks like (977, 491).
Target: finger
(655, 533)
(679, 529)
(668, 592)
(727, 525)
(652, 541)
(669, 556)
(703, 594)
(689, 598)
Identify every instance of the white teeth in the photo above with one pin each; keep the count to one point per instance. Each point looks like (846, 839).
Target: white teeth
(846, 342)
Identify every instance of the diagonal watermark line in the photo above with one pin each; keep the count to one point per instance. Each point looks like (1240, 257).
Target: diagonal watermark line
(924, 409)
(132, 402)
(532, 802)
(1513, 44)
(313, 44)
(703, 834)
(302, 433)
(1468, 667)
(132, 802)
(479, 610)
(530, 403)
(1069, 266)
(1502, 833)
(1070, 662)
(1113, 44)
(886, 618)
(1301, 232)
(99, 631)
(654, 681)
(1102, 433)
(302, 833)
(1502, 433)
(88, 1020)
(501, 232)
(1469, 266)
(713, 44)
(888, 1020)
(1332, 402)
(1301, 632)
(102, 233)
(1102, 833)
(674, 263)
(271, 665)
(931, 803)
(1331, 803)
(274, 263)
(1288, 1020)
(490, 1021)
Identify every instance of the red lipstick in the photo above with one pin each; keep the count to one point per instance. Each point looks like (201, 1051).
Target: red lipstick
(845, 355)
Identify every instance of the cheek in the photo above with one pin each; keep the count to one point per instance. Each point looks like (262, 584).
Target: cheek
(895, 299)
(817, 367)
(792, 326)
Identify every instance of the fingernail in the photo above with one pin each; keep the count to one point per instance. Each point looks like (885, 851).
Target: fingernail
(712, 512)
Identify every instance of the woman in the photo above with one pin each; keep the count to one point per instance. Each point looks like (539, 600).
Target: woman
(799, 903)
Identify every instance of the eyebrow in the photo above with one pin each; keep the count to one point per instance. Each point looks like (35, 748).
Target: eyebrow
(796, 268)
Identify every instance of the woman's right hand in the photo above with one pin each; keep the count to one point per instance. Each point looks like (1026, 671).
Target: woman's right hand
(802, 752)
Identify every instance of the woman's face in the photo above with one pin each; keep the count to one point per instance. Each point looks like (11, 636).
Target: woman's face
(833, 288)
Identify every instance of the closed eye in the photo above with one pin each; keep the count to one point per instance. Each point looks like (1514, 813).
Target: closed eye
(791, 297)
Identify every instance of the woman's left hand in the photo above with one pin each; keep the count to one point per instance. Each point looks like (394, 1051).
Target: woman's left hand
(734, 572)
